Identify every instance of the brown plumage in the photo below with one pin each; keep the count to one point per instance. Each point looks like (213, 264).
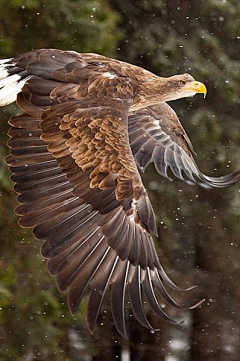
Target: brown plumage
(89, 123)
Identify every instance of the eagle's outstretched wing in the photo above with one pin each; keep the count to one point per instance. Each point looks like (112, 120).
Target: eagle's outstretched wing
(157, 136)
(90, 239)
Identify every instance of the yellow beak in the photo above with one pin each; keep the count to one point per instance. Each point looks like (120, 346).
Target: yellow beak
(195, 86)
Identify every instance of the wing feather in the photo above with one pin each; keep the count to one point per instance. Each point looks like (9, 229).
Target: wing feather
(98, 288)
(84, 276)
(150, 295)
(118, 289)
(135, 295)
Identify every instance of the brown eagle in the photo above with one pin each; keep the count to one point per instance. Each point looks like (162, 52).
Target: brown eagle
(89, 123)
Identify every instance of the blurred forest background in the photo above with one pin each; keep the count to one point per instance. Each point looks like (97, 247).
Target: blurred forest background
(199, 229)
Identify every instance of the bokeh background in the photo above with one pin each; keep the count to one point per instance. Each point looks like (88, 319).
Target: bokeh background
(199, 229)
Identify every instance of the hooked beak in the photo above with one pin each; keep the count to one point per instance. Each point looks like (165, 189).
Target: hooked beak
(195, 86)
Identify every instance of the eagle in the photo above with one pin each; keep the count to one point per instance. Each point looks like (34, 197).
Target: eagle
(89, 124)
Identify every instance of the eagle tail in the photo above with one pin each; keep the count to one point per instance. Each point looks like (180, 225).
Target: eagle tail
(12, 80)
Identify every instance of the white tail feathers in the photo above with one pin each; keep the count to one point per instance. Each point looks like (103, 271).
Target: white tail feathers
(3, 71)
(10, 85)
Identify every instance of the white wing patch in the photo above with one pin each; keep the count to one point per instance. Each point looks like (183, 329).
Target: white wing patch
(109, 75)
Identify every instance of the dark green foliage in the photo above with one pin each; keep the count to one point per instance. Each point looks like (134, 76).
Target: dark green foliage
(65, 24)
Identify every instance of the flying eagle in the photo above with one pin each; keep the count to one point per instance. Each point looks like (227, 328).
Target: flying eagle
(89, 123)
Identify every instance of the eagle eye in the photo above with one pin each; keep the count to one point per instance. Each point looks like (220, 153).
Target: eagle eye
(182, 82)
